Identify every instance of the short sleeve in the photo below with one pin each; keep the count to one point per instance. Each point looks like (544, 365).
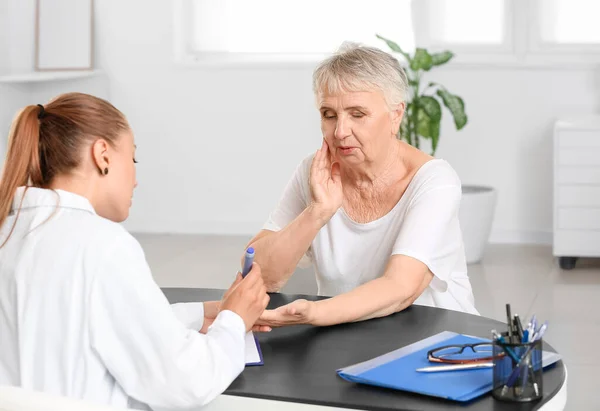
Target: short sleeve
(430, 232)
(293, 201)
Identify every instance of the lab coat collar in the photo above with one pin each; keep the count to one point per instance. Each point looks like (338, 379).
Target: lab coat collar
(41, 197)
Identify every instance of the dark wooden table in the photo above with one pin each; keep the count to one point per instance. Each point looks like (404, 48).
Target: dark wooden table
(301, 361)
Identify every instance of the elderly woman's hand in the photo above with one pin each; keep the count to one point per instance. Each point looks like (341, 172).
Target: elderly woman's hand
(325, 183)
(295, 313)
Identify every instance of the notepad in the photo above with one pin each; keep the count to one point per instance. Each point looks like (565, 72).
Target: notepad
(253, 352)
(397, 370)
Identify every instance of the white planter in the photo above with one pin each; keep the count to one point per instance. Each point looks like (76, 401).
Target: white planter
(476, 213)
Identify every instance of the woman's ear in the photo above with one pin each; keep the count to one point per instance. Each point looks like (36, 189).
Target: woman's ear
(397, 115)
(100, 155)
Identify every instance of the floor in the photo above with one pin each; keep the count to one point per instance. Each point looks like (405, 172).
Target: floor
(527, 277)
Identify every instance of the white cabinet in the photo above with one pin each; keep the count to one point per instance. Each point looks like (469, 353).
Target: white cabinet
(576, 189)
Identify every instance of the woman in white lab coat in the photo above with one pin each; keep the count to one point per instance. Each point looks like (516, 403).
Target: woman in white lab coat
(80, 314)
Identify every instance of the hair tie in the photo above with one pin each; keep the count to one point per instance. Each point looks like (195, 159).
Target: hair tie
(42, 112)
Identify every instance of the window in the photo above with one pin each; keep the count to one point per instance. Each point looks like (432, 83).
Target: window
(463, 22)
(478, 31)
(569, 21)
(307, 26)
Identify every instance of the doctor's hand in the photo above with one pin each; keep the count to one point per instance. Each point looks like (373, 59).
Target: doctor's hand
(247, 297)
(294, 313)
(212, 309)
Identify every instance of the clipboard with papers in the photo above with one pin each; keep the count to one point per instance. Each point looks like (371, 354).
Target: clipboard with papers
(397, 370)
(254, 355)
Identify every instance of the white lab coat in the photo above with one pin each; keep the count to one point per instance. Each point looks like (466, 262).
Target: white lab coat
(81, 316)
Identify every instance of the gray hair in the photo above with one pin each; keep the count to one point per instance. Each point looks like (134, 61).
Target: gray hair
(356, 67)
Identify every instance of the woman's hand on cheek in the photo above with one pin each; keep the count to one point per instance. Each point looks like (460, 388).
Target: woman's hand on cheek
(325, 183)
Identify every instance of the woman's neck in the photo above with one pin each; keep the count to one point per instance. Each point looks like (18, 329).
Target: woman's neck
(380, 173)
(74, 183)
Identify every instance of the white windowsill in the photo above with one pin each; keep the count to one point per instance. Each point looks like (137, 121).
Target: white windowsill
(46, 76)
(250, 60)
(543, 61)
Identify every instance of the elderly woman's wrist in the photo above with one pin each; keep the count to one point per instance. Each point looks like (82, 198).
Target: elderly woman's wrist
(314, 314)
(319, 214)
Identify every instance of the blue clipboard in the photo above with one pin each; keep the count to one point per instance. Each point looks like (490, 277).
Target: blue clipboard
(397, 370)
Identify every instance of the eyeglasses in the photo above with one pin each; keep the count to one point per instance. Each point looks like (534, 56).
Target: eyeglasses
(481, 352)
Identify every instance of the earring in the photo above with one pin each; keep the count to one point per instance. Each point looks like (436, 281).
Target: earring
(106, 171)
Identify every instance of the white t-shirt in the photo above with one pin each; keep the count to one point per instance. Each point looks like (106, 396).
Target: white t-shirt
(423, 225)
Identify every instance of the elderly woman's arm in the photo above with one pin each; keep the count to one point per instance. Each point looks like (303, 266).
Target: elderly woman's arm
(278, 253)
(404, 280)
(428, 243)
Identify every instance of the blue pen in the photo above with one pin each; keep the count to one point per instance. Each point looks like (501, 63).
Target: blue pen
(510, 352)
(248, 260)
(539, 333)
(526, 372)
(529, 332)
(513, 376)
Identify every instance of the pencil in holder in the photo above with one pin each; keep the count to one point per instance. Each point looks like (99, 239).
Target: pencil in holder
(518, 371)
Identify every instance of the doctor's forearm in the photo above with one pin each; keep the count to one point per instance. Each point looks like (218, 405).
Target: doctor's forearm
(278, 253)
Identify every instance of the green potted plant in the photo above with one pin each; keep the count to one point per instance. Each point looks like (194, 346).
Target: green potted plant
(422, 120)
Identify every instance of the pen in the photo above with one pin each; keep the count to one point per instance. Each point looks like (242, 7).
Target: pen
(248, 260)
(501, 340)
(539, 333)
(509, 322)
(456, 367)
(531, 330)
(526, 374)
(519, 327)
(513, 376)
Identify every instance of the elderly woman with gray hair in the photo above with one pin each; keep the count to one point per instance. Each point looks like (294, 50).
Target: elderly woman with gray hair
(376, 217)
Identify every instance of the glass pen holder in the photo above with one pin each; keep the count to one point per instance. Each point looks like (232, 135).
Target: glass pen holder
(518, 371)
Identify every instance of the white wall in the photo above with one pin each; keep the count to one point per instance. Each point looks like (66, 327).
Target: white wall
(9, 94)
(217, 145)
(4, 14)
(508, 142)
(4, 21)
(17, 55)
(21, 35)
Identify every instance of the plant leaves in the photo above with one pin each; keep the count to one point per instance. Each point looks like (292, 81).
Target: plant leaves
(456, 106)
(395, 47)
(426, 126)
(421, 60)
(437, 59)
(435, 137)
(431, 106)
(403, 132)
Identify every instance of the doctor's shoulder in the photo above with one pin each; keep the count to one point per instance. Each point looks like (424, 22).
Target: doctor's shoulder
(110, 240)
